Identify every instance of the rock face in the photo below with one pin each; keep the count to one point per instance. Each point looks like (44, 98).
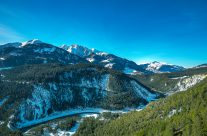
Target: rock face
(61, 88)
(158, 67)
(170, 83)
(187, 82)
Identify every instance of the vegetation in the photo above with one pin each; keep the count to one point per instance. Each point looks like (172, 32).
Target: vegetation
(163, 82)
(88, 126)
(63, 124)
(181, 114)
(30, 75)
(17, 85)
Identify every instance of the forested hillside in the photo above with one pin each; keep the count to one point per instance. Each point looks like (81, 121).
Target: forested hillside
(181, 114)
(173, 82)
(31, 94)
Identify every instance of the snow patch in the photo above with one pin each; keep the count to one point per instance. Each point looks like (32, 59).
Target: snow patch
(90, 59)
(173, 112)
(109, 65)
(34, 41)
(105, 61)
(2, 58)
(1, 123)
(142, 92)
(37, 105)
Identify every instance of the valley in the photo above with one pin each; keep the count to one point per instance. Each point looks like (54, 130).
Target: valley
(73, 90)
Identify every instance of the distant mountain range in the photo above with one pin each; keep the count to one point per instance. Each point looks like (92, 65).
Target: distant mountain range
(158, 67)
(37, 52)
(115, 62)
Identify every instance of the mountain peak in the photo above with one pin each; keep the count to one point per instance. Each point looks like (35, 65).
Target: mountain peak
(77, 50)
(161, 67)
(34, 41)
(82, 51)
(157, 62)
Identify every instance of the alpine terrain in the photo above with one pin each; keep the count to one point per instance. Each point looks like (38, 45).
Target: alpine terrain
(73, 90)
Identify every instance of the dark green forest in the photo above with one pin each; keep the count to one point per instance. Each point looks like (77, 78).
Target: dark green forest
(181, 114)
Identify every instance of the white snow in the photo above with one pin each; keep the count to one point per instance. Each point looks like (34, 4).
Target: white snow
(102, 53)
(82, 51)
(77, 49)
(90, 59)
(104, 61)
(9, 123)
(1, 123)
(156, 67)
(38, 104)
(142, 92)
(109, 65)
(2, 58)
(34, 41)
(174, 111)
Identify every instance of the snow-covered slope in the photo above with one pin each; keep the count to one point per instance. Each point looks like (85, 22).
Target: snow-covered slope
(158, 67)
(105, 59)
(81, 50)
(34, 41)
(77, 50)
(35, 52)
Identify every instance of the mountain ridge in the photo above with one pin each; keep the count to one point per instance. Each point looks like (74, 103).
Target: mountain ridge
(94, 56)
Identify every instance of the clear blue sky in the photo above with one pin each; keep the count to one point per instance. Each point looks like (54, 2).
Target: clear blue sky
(172, 31)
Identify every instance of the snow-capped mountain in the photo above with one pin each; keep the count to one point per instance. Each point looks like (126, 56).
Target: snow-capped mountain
(82, 51)
(34, 41)
(158, 67)
(77, 50)
(105, 59)
(35, 52)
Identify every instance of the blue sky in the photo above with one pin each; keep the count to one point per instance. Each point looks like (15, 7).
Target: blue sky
(172, 31)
